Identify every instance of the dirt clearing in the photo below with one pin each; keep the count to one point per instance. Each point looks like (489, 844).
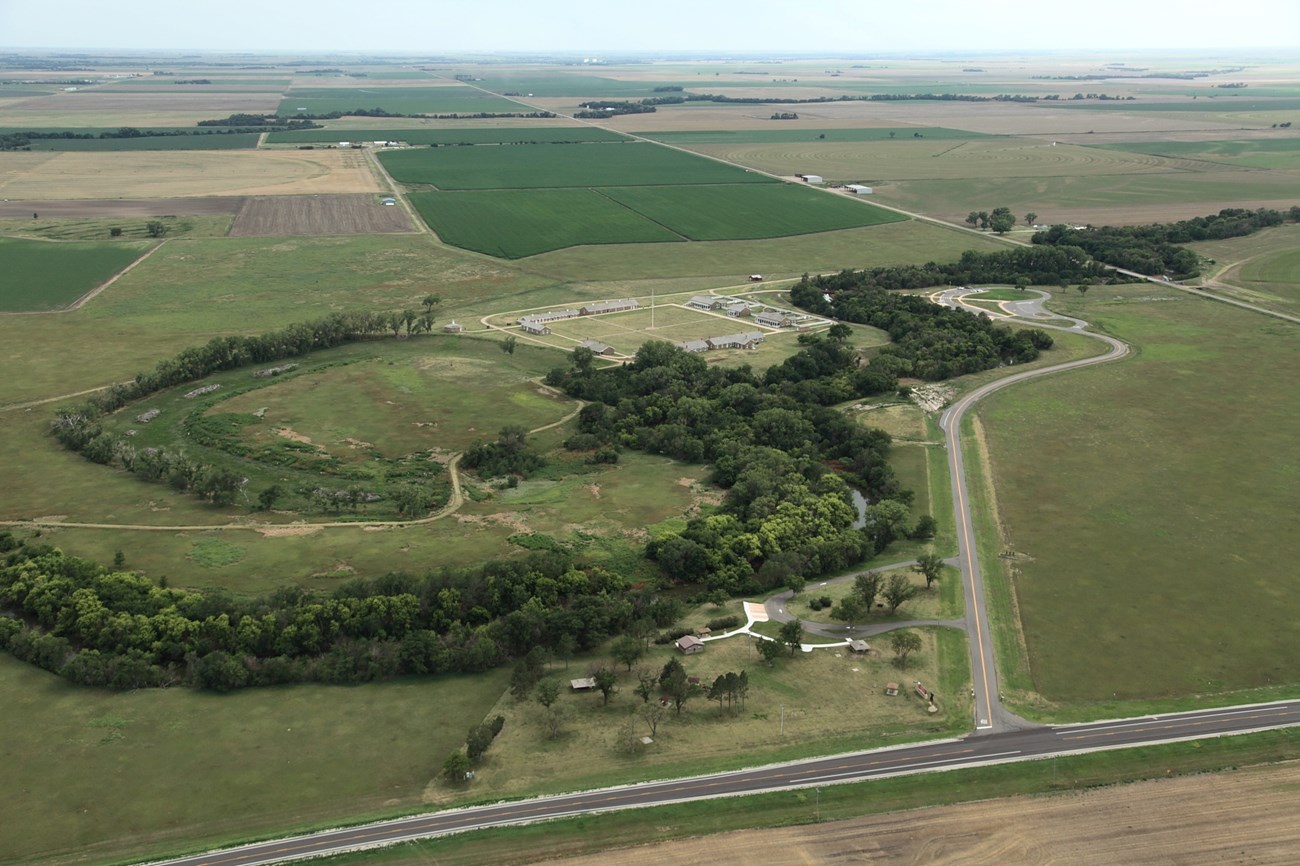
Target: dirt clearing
(306, 215)
(161, 174)
(1245, 816)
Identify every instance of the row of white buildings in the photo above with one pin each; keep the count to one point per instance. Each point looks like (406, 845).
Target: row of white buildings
(538, 323)
(744, 340)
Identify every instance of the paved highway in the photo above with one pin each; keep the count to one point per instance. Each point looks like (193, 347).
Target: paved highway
(973, 751)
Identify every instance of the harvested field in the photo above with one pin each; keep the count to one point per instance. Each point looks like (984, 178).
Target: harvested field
(1244, 816)
(186, 173)
(306, 215)
(127, 104)
(116, 207)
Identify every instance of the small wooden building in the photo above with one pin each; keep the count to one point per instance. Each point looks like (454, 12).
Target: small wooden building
(859, 646)
(583, 684)
(891, 689)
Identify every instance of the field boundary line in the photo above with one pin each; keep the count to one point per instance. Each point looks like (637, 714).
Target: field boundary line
(598, 191)
(90, 295)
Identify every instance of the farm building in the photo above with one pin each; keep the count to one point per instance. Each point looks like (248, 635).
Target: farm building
(747, 340)
(694, 345)
(533, 326)
(703, 631)
(859, 646)
(453, 327)
(598, 347)
(689, 644)
(553, 316)
(891, 689)
(583, 684)
(812, 178)
(704, 302)
(774, 319)
(610, 307)
(388, 200)
(740, 309)
(858, 189)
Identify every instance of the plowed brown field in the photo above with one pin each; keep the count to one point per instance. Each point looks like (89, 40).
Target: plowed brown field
(305, 215)
(1245, 816)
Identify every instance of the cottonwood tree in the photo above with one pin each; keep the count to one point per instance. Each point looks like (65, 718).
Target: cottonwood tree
(867, 586)
(606, 682)
(930, 565)
(898, 591)
(646, 684)
(1031, 218)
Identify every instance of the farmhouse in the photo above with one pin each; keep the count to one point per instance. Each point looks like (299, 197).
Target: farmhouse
(739, 309)
(705, 302)
(747, 340)
(610, 307)
(453, 327)
(689, 645)
(858, 189)
(774, 319)
(598, 347)
(533, 326)
(694, 345)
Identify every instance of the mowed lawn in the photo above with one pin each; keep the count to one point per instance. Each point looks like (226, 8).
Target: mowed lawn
(558, 165)
(516, 223)
(495, 135)
(447, 99)
(49, 275)
(740, 212)
(103, 776)
(1155, 508)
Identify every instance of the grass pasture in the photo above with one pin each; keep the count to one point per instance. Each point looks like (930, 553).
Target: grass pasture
(441, 136)
(1150, 555)
(516, 223)
(1263, 268)
(443, 99)
(49, 275)
(751, 211)
(267, 760)
(685, 138)
(557, 165)
(931, 160)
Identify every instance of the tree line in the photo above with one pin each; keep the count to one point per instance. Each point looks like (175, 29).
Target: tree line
(108, 627)
(1154, 249)
(23, 140)
(80, 429)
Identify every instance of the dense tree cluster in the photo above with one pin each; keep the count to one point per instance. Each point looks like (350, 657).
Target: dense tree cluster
(1153, 249)
(508, 455)
(23, 140)
(263, 122)
(101, 627)
(775, 444)
(928, 341)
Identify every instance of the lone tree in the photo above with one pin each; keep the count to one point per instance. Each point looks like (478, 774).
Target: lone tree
(509, 344)
(628, 650)
(851, 609)
(646, 684)
(899, 590)
(930, 565)
(792, 635)
(431, 301)
(456, 766)
(1031, 218)
(548, 692)
(154, 228)
(606, 682)
(1002, 220)
(973, 218)
(904, 643)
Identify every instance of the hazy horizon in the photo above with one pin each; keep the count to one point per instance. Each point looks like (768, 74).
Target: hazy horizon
(817, 28)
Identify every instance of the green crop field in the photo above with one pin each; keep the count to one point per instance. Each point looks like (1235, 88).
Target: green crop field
(1152, 549)
(1255, 153)
(1217, 104)
(557, 165)
(736, 212)
(448, 99)
(49, 275)
(232, 141)
(494, 135)
(516, 223)
(779, 136)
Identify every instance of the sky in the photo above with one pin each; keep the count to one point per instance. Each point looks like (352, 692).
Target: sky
(603, 27)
